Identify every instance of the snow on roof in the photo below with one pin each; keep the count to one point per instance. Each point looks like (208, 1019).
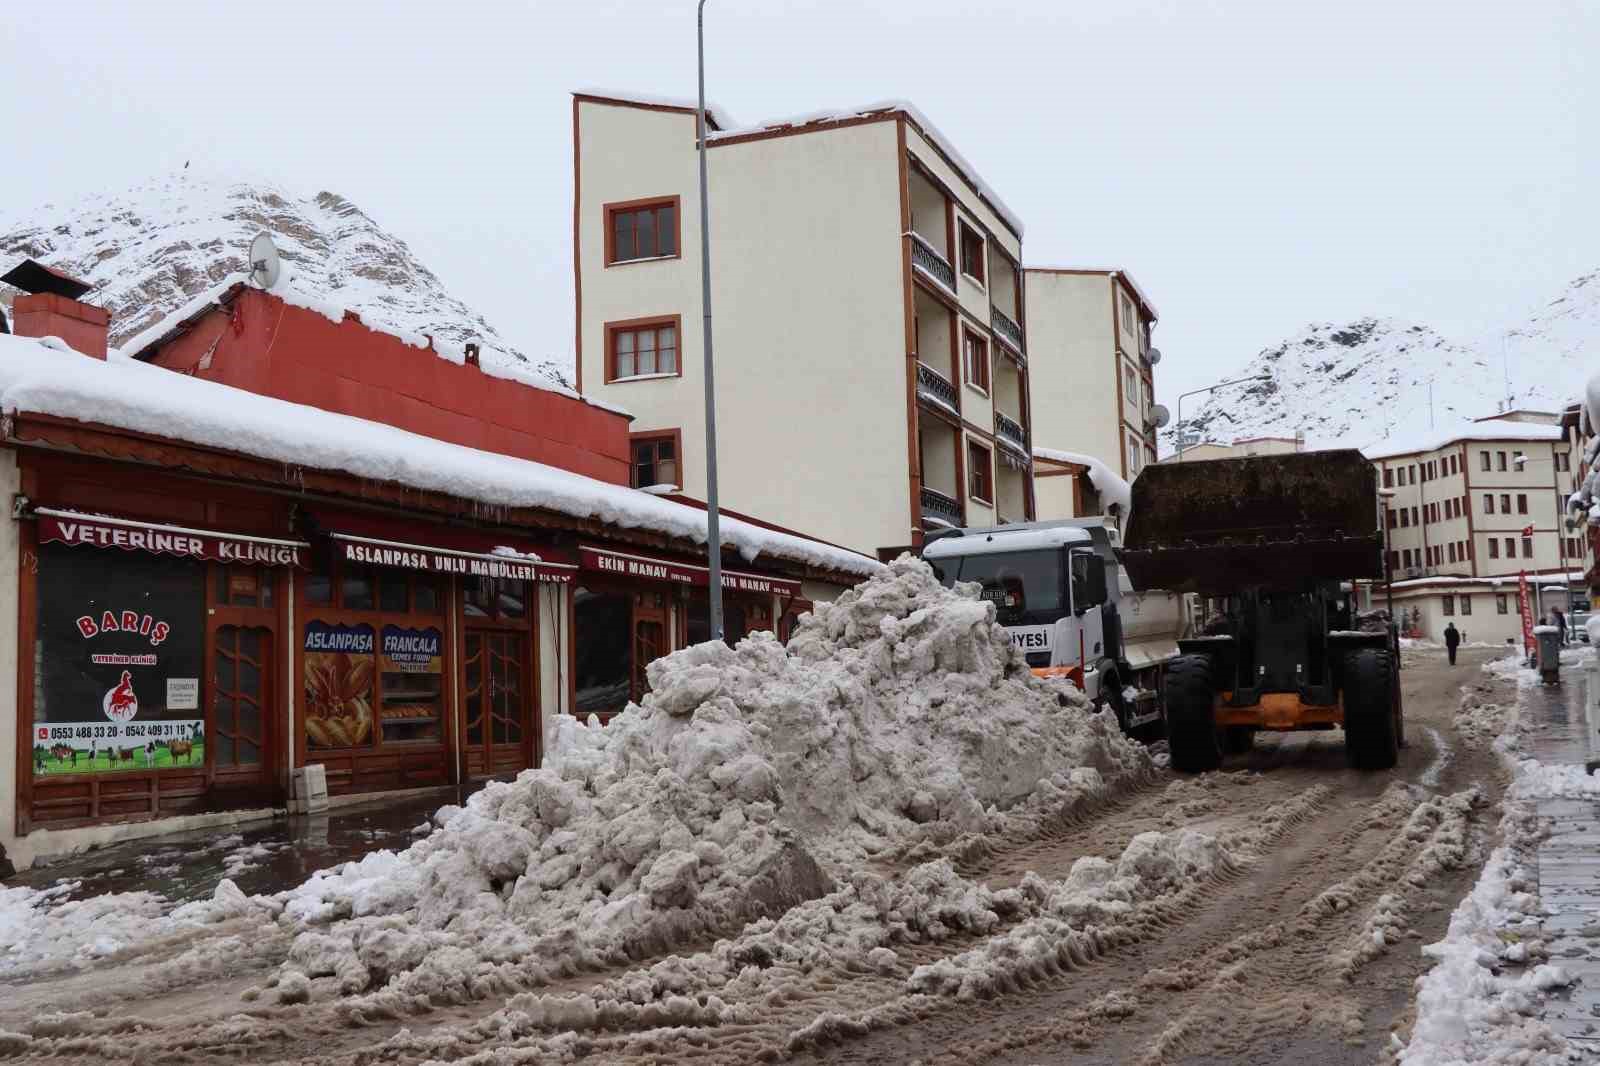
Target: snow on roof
(1433, 440)
(1005, 540)
(1110, 486)
(717, 115)
(491, 361)
(130, 395)
(1114, 272)
(910, 110)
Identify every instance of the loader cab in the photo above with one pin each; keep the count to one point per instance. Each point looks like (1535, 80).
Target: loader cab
(1278, 641)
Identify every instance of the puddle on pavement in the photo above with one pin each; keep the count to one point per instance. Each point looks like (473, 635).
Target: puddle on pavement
(259, 857)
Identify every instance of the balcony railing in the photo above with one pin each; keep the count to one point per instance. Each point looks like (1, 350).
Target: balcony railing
(926, 258)
(934, 386)
(1010, 429)
(936, 504)
(1004, 328)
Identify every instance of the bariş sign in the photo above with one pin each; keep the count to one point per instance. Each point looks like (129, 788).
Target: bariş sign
(167, 540)
(609, 562)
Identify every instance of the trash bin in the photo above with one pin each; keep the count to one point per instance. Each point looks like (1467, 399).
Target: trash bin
(1548, 639)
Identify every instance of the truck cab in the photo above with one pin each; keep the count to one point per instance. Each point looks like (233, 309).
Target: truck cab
(1060, 592)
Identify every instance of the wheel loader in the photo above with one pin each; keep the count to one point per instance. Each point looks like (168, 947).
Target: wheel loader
(1276, 544)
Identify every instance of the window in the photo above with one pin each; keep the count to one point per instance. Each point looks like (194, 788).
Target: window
(971, 253)
(1501, 605)
(1405, 518)
(1130, 320)
(1466, 604)
(1131, 379)
(1563, 461)
(655, 461)
(1500, 460)
(1452, 552)
(643, 348)
(1393, 521)
(1527, 547)
(1413, 474)
(1505, 503)
(1494, 548)
(1449, 605)
(975, 360)
(1522, 503)
(1511, 548)
(980, 474)
(1394, 560)
(1388, 478)
(1414, 520)
(1488, 503)
(1518, 460)
(1484, 456)
(641, 230)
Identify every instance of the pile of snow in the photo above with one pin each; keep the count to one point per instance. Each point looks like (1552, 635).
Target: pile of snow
(135, 396)
(898, 718)
(40, 933)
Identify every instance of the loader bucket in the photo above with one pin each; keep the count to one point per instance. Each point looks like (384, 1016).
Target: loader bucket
(1274, 521)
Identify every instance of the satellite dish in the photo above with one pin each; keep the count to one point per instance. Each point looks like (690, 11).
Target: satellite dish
(1161, 416)
(264, 265)
(1154, 356)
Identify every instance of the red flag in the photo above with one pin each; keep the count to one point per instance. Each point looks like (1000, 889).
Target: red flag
(1526, 610)
(1527, 531)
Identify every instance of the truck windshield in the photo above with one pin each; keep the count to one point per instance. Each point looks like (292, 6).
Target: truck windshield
(1024, 586)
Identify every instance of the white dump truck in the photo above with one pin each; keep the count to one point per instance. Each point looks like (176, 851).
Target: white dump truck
(1060, 590)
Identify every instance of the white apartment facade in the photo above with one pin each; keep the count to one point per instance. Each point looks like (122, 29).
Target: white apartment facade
(1240, 448)
(1469, 511)
(868, 313)
(1093, 375)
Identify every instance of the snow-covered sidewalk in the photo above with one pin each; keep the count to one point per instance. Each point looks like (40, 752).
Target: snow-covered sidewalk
(1518, 973)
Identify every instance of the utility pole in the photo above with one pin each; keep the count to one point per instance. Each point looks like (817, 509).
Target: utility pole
(713, 523)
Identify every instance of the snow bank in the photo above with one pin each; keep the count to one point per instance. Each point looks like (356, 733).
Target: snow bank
(1111, 488)
(135, 396)
(899, 717)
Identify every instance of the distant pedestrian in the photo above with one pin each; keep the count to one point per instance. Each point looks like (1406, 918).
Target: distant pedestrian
(1560, 620)
(1452, 641)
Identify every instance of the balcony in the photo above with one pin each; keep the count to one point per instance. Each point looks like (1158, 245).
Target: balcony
(1007, 330)
(1009, 431)
(939, 508)
(936, 388)
(927, 259)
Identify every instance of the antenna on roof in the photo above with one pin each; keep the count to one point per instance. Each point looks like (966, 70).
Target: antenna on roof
(264, 264)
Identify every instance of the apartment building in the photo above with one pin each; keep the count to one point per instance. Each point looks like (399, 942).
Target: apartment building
(1469, 510)
(1241, 447)
(861, 271)
(1093, 372)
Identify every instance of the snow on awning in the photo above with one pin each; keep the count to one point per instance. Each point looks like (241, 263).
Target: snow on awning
(606, 561)
(104, 531)
(504, 562)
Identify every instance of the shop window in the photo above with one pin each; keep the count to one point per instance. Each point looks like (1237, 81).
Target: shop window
(243, 586)
(603, 642)
(655, 461)
(120, 652)
(495, 598)
(357, 589)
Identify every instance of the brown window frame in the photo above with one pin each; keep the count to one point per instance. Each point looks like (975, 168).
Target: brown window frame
(980, 475)
(1511, 547)
(1505, 503)
(674, 436)
(635, 325)
(1522, 503)
(1527, 547)
(963, 232)
(1466, 603)
(969, 335)
(1494, 547)
(1502, 603)
(649, 203)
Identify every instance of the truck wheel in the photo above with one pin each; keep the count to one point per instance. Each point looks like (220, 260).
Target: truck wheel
(1192, 716)
(1238, 739)
(1371, 741)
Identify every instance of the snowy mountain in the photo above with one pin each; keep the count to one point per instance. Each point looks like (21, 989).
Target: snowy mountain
(147, 250)
(1357, 383)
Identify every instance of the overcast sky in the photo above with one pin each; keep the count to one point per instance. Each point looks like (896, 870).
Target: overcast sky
(1256, 164)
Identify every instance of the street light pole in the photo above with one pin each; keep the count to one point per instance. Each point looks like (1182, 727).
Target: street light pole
(1208, 388)
(713, 524)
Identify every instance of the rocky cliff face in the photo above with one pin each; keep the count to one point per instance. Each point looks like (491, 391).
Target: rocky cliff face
(150, 248)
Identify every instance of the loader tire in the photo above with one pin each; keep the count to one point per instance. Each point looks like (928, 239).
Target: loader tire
(1371, 736)
(1192, 735)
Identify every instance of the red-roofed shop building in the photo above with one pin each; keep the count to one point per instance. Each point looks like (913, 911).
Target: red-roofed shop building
(266, 536)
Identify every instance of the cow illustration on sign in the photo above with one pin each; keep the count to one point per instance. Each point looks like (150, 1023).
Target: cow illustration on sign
(120, 704)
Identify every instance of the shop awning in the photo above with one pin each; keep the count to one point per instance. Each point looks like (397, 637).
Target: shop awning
(651, 568)
(103, 531)
(499, 562)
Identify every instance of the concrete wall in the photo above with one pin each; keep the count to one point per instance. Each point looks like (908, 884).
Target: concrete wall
(1072, 367)
(1484, 625)
(808, 298)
